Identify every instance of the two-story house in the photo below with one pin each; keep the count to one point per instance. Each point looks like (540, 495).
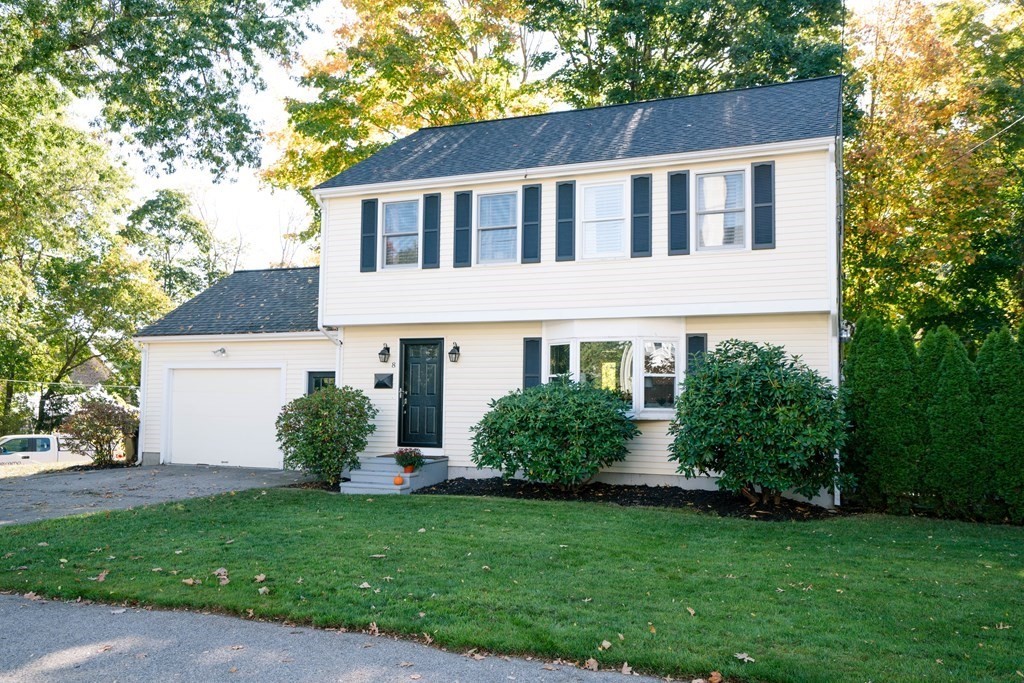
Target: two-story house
(462, 262)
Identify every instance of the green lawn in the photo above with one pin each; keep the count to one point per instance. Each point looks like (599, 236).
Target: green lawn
(846, 599)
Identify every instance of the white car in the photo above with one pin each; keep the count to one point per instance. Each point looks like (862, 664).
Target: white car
(36, 448)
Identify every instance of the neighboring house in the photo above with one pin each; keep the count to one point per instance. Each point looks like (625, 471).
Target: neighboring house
(610, 244)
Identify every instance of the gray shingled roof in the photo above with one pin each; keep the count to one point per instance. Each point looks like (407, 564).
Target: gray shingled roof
(776, 113)
(247, 302)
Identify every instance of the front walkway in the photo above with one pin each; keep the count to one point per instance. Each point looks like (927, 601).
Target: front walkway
(60, 493)
(73, 642)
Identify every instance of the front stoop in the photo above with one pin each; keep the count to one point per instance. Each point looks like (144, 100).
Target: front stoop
(377, 476)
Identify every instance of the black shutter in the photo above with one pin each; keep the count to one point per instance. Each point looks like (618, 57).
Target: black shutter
(696, 347)
(531, 224)
(431, 231)
(368, 237)
(531, 362)
(565, 221)
(641, 229)
(764, 205)
(679, 213)
(463, 229)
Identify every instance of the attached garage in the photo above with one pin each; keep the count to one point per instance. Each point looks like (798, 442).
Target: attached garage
(217, 370)
(224, 416)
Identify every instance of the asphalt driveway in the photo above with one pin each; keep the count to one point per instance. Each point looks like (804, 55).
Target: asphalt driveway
(57, 641)
(62, 493)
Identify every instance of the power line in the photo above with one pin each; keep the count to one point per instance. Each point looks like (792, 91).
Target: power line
(988, 139)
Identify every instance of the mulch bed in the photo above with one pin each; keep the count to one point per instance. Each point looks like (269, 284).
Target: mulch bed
(315, 486)
(117, 465)
(721, 503)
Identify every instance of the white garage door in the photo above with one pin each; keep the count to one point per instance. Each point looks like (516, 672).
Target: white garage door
(225, 417)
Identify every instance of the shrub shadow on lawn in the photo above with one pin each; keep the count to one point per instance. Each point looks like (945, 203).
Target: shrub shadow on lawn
(721, 503)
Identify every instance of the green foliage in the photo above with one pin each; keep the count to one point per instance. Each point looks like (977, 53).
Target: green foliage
(880, 395)
(560, 433)
(614, 51)
(323, 433)
(409, 457)
(953, 479)
(169, 74)
(760, 420)
(1001, 379)
(99, 427)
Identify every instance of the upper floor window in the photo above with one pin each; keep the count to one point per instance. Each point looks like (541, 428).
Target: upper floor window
(401, 233)
(497, 228)
(721, 210)
(604, 220)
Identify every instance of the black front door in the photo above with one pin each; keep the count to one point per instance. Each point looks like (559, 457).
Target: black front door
(420, 393)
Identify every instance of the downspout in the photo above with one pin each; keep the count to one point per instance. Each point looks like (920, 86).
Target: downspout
(143, 372)
(840, 227)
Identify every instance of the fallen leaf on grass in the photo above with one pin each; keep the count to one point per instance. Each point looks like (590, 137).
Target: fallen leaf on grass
(365, 585)
(374, 631)
(715, 677)
(651, 627)
(626, 669)
(622, 637)
(422, 531)
(101, 577)
(377, 557)
(191, 582)
(259, 578)
(744, 657)
(691, 611)
(604, 645)
(157, 569)
(427, 639)
(43, 544)
(263, 590)
(222, 576)
(591, 664)
(32, 596)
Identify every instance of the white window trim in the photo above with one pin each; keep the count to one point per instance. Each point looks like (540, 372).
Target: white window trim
(638, 411)
(382, 246)
(518, 213)
(627, 208)
(694, 183)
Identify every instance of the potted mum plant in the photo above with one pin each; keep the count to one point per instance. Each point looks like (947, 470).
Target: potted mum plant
(409, 458)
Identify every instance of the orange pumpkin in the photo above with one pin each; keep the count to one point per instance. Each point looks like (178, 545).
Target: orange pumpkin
(399, 480)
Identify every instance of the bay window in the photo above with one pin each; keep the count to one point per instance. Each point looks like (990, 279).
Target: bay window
(721, 210)
(641, 370)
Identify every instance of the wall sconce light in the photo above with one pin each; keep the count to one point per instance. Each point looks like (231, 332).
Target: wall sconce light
(385, 354)
(221, 352)
(454, 354)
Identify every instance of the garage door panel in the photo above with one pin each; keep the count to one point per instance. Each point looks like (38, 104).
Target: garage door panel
(225, 417)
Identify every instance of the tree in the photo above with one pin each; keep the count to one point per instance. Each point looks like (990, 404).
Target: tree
(400, 66)
(1001, 379)
(761, 421)
(929, 235)
(168, 74)
(177, 244)
(614, 51)
(954, 466)
(880, 394)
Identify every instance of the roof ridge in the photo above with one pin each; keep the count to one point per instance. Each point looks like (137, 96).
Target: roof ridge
(630, 104)
(273, 270)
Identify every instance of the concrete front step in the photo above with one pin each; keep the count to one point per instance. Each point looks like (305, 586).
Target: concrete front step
(376, 476)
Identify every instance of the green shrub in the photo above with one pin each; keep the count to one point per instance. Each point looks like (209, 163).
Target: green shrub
(324, 433)
(762, 421)
(557, 433)
(99, 428)
(1001, 379)
(879, 395)
(952, 473)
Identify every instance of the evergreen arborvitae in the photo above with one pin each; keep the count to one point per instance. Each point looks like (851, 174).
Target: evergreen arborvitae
(952, 476)
(879, 387)
(929, 358)
(1001, 380)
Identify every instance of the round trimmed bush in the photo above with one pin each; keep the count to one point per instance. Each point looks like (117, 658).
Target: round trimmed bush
(761, 421)
(560, 433)
(324, 433)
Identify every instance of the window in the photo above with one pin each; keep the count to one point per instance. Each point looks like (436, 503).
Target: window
(19, 445)
(319, 380)
(559, 360)
(402, 233)
(604, 220)
(721, 210)
(608, 365)
(497, 228)
(659, 374)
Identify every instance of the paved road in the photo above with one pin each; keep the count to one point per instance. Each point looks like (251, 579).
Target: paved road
(44, 641)
(59, 494)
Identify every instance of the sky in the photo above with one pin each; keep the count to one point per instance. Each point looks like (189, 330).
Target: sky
(243, 208)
